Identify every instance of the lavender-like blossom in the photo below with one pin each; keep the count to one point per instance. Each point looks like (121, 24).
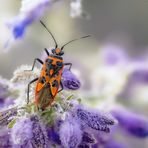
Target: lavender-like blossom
(30, 132)
(139, 76)
(95, 120)
(69, 80)
(30, 11)
(70, 133)
(133, 123)
(113, 54)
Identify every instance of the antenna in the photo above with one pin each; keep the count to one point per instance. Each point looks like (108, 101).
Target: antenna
(56, 45)
(74, 40)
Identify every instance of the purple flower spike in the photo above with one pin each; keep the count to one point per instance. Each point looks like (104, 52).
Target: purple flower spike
(22, 131)
(30, 132)
(70, 134)
(29, 12)
(95, 120)
(39, 132)
(133, 123)
(69, 80)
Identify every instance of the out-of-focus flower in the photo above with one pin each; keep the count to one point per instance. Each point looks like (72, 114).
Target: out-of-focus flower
(70, 133)
(69, 80)
(29, 12)
(6, 93)
(30, 132)
(95, 120)
(132, 123)
(76, 9)
(113, 55)
(111, 143)
(4, 85)
(110, 78)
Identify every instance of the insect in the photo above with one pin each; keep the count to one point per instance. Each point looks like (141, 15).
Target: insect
(49, 81)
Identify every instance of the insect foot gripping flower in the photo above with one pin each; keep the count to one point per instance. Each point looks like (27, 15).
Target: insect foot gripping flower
(69, 80)
(95, 120)
(32, 135)
(29, 12)
(133, 123)
(70, 133)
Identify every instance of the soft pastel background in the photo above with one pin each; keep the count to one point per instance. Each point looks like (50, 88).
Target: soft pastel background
(118, 22)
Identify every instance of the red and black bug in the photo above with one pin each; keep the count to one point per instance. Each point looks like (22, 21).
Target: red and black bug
(49, 81)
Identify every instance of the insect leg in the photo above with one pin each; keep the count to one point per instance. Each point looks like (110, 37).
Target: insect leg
(35, 60)
(34, 80)
(69, 64)
(61, 87)
(46, 51)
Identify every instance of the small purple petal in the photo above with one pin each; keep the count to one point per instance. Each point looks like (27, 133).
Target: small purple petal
(133, 123)
(95, 120)
(84, 145)
(70, 134)
(88, 138)
(69, 80)
(54, 136)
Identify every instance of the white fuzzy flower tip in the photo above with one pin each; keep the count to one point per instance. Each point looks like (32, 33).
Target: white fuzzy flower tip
(76, 9)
